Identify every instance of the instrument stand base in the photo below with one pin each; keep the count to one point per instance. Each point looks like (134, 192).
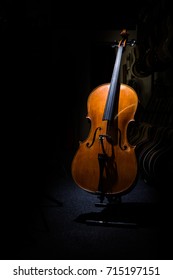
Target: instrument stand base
(114, 213)
(111, 201)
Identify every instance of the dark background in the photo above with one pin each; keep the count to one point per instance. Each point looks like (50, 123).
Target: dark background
(51, 59)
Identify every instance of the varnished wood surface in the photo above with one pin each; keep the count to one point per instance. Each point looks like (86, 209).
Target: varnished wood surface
(120, 169)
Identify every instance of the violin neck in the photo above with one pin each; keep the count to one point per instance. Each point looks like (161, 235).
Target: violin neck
(114, 87)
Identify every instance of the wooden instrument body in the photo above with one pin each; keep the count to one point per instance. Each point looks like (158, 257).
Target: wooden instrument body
(105, 162)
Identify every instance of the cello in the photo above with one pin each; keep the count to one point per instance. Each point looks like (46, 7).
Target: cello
(105, 163)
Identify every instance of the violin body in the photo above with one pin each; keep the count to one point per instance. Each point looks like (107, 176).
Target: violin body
(105, 162)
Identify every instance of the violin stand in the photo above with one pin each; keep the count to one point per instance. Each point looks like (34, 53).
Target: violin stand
(115, 213)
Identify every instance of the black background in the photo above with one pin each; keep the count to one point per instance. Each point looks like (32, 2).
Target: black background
(41, 93)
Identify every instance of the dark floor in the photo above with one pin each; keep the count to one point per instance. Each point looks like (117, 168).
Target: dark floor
(62, 221)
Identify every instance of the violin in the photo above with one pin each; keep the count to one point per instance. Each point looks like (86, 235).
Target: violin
(105, 163)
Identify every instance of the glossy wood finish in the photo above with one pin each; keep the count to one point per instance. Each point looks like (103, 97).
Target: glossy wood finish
(116, 172)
